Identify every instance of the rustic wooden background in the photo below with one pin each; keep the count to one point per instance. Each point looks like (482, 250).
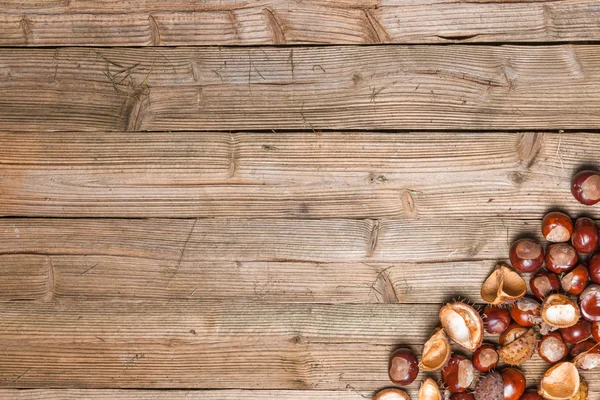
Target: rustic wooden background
(262, 199)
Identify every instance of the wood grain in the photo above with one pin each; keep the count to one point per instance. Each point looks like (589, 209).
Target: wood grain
(24, 277)
(292, 175)
(154, 23)
(314, 88)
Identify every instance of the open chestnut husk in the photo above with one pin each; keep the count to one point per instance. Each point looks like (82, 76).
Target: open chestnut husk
(463, 324)
(519, 350)
(458, 374)
(558, 311)
(526, 312)
(585, 187)
(561, 257)
(495, 319)
(557, 227)
(485, 358)
(579, 332)
(560, 382)
(589, 303)
(391, 394)
(436, 351)
(490, 387)
(544, 283)
(594, 267)
(526, 255)
(587, 355)
(513, 332)
(403, 367)
(585, 235)
(430, 390)
(514, 383)
(575, 281)
(582, 392)
(552, 348)
(504, 285)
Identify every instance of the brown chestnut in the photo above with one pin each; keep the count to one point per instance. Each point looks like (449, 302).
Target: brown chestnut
(486, 358)
(552, 348)
(579, 332)
(532, 394)
(495, 319)
(561, 257)
(589, 303)
(512, 333)
(525, 312)
(463, 396)
(582, 347)
(526, 255)
(575, 281)
(403, 367)
(543, 283)
(585, 235)
(557, 227)
(458, 374)
(514, 383)
(585, 187)
(594, 267)
(596, 331)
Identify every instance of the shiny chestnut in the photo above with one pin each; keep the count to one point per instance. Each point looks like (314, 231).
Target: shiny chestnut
(514, 383)
(585, 187)
(585, 235)
(557, 227)
(526, 255)
(561, 257)
(531, 394)
(594, 267)
(552, 348)
(458, 374)
(513, 332)
(485, 358)
(582, 347)
(589, 303)
(596, 331)
(526, 311)
(579, 332)
(495, 319)
(463, 396)
(403, 367)
(543, 283)
(575, 281)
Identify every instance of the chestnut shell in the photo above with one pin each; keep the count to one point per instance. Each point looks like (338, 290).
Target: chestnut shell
(585, 235)
(594, 267)
(403, 367)
(557, 227)
(585, 187)
(495, 319)
(526, 255)
(458, 374)
(544, 283)
(561, 257)
(514, 383)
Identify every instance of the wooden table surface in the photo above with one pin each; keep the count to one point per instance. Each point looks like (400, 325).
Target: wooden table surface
(261, 199)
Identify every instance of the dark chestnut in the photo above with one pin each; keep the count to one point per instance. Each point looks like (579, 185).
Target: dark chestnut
(463, 396)
(514, 383)
(544, 283)
(561, 257)
(495, 319)
(582, 347)
(585, 235)
(589, 303)
(596, 331)
(594, 267)
(485, 358)
(579, 332)
(552, 348)
(403, 367)
(526, 312)
(531, 394)
(585, 187)
(575, 281)
(513, 332)
(526, 255)
(458, 374)
(557, 227)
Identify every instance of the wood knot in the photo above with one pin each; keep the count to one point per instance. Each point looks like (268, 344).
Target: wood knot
(517, 178)
(408, 203)
(528, 147)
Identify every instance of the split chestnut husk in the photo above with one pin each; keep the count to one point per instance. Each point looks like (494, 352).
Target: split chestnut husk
(463, 324)
(504, 285)
(430, 390)
(391, 394)
(518, 351)
(560, 382)
(588, 359)
(558, 311)
(436, 351)
(490, 387)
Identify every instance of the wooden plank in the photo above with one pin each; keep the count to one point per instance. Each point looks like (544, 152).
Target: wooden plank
(153, 23)
(135, 344)
(380, 87)
(267, 240)
(292, 175)
(24, 278)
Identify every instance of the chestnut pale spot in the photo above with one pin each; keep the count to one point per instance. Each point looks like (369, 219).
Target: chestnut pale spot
(561, 313)
(562, 254)
(591, 187)
(553, 349)
(488, 357)
(528, 250)
(543, 284)
(558, 234)
(465, 373)
(399, 368)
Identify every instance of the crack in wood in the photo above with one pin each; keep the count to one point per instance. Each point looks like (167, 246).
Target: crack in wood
(154, 31)
(373, 238)
(275, 26)
(25, 25)
(377, 32)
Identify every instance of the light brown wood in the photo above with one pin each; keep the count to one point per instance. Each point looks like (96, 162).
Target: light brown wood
(298, 175)
(24, 277)
(381, 87)
(156, 23)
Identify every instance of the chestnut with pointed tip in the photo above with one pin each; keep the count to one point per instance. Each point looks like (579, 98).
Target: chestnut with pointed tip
(585, 187)
(514, 383)
(575, 281)
(579, 332)
(552, 348)
(544, 283)
(589, 303)
(526, 312)
(403, 367)
(561, 257)
(495, 319)
(531, 394)
(557, 227)
(391, 394)
(585, 235)
(526, 255)
(594, 267)
(486, 358)
(458, 374)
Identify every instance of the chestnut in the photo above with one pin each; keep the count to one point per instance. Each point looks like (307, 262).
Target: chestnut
(495, 319)
(582, 347)
(596, 331)
(458, 374)
(531, 394)
(561, 257)
(559, 311)
(585, 187)
(512, 333)
(585, 235)
(486, 358)
(552, 348)
(589, 303)
(594, 267)
(514, 383)
(575, 281)
(525, 312)
(557, 227)
(403, 367)
(526, 255)
(579, 332)
(391, 394)
(463, 396)
(543, 283)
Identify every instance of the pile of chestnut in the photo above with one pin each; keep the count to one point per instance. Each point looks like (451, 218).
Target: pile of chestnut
(560, 320)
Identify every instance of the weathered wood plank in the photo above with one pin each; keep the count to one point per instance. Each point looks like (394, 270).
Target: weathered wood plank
(299, 175)
(24, 277)
(267, 240)
(115, 344)
(154, 23)
(381, 87)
